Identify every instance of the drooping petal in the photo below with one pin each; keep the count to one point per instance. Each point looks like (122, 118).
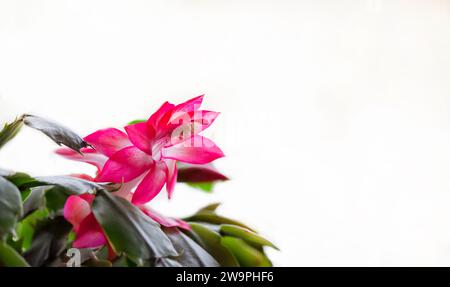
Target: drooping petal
(164, 220)
(151, 185)
(87, 155)
(125, 165)
(108, 141)
(89, 234)
(197, 150)
(82, 176)
(141, 135)
(189, 124)
(199, 173)
(76, 209)
(171, 177)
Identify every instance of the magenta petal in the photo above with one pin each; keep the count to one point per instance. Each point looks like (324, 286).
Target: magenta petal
(87, 155)
(90, 234)
(141, 135)
(108, 141)
(164, 220)
(171, 176)
(198, 150)
(156, 118)
(202, 117)
(182, 224)
(188, 106)
(189, 124)
(88, 197)
(125, 165)
(76, 209)
(151, 185)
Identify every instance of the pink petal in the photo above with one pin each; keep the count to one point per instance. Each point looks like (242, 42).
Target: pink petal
(189, 124)
(90, 234)
(151, 185)
(83, 176)
(203, 117)
(108, 141)
(88, 155)
(198, 150)
(164, 220)
(88, 197)
(199, 173)
(76, 209)
(164, 111)
(141, 135)
(188, 106)
(171, 176)
(125, 165)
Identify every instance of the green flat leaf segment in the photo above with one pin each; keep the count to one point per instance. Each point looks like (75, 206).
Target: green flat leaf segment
(230, 242)
(191, 254)
(209, 208)
(203, 186)
(129, 230)
(246, 235)
(136, 121)
(212, 217)
(35, 199)
(10, 207)
(49, 241)
(9, 131)
(55, 131)
(247, 255)
(211, 241)
(10, 258)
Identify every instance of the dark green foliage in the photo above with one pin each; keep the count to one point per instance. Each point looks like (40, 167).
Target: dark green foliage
(10, 207)
(129, 230)
(49, 241)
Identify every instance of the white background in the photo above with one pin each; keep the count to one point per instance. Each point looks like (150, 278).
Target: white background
(335, 114)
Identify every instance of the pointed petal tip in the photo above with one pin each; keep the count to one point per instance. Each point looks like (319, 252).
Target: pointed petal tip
(137, 201)
(151, 185)
(141, 135)
(199, 150)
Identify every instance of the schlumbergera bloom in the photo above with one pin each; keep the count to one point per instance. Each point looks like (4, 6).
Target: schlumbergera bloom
(146, 155)
(77, 211)
(144, 158)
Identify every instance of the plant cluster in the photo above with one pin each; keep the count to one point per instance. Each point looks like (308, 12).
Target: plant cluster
(106, 218)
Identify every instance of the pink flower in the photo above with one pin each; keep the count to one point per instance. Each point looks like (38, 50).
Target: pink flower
(147, 153)
(77, 211)
(89, 233)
